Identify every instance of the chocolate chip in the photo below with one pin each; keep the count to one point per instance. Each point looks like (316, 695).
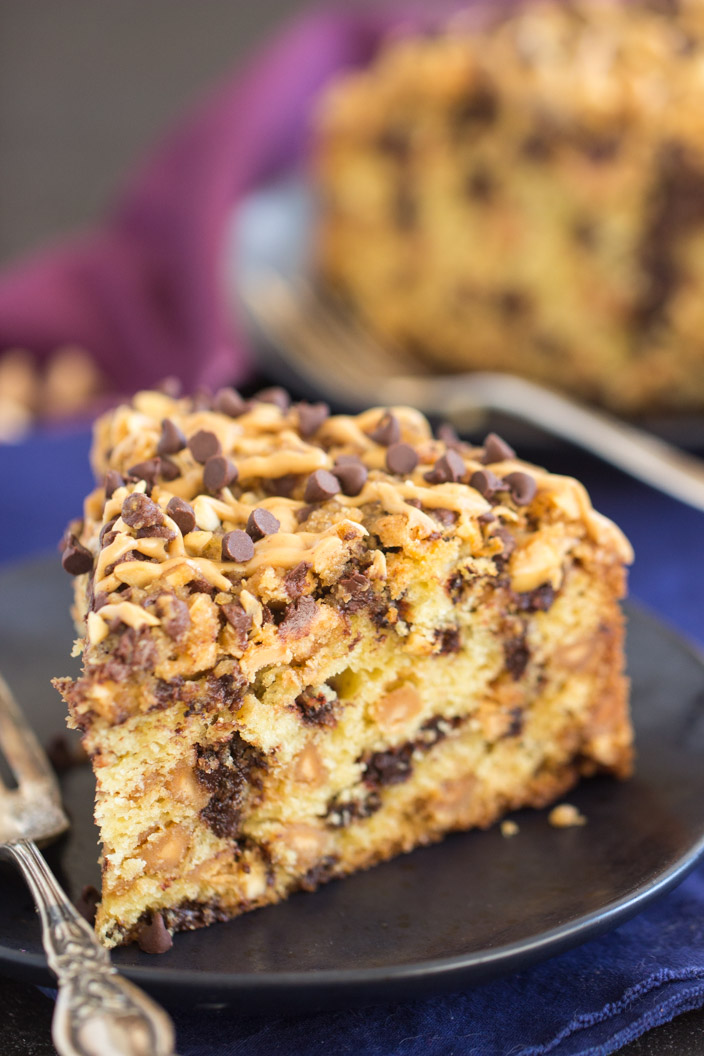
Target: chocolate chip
(355, 584)
(218, 473)
(156, 531)
(170, 386)
(141, 512)
(284, 486)
(321, 485)
(105, 531)
(154, 937)
(387, 430)
(175, 616)
(229, 402)
(304, 513)
(235, 615)
(310, 417)
(448, 435)
(148, 470)
(76, 559)
(522, 487)
(237, 546)
(299, 617)
(168, 469)
(351, 473)
(113, 481)
(449, 467)
(260, 523)
(182, 513)
(496, 450)
(202, 400)
(172, 439)
(276, 395)
(446, 517)
(516, 656)
(485, 482)
(87, 903)
(508, 543)
(203, 445)
(401, 458)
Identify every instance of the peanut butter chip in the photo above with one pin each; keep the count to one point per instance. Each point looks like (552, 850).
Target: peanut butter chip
(401, 459)
(485, 482)
(154, 937)
(321, 485)
(113, 481)
(310, 417)
(260, 523)
(387, 431)
(218, 473)
(203, 445)
(237, 546)
(229, 402)
(351, 473)
(522, 487)
(276, 395)
(139, 511)
(183, 514)
(496, 450)
(172, 439)
(449, 468)
(76, 559)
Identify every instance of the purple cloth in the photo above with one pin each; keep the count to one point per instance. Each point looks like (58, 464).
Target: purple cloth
(142, 293)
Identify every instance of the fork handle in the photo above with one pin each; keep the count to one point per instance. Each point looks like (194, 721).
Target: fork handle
(98, 1012)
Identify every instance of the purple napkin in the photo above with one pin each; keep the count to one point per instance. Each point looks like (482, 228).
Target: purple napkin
(143, 292)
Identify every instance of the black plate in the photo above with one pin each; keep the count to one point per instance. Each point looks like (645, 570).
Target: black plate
(274, 228)
(443, 917)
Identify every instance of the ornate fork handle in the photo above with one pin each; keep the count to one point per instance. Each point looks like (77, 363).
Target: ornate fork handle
(98, 1012)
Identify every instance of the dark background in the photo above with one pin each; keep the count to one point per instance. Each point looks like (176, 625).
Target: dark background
(85, 87)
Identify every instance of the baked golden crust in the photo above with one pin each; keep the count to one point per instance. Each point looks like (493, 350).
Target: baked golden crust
(529, 196)
(311, 642)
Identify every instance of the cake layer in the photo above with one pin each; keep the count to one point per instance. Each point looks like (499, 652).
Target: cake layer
(289, 677)
(529, 197)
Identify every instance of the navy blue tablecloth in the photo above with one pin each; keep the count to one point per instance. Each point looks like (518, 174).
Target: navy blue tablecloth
(591, 1000)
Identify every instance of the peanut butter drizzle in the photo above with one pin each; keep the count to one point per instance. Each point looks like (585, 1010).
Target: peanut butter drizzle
(264, 445)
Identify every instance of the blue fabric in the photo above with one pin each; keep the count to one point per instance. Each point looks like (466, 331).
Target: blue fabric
(587, 1002)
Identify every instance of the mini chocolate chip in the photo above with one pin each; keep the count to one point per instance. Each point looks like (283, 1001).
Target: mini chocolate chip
(203, 445)
(522, 487)
(182, 513)
(448, 435)
(485, 482)
(496, 450)
(148, 470)
(284, 486)
(157, 531)
(321, 485)
(299, 617)
(76, 559)
(446, 517)
(237, 546)
(141, 512)
(229, 402)
(154, 937)
(113, 481)
(387, 430)
(238, 619)
(486, 518)
(105, 531)
(175, 616)
(449, 467)
(219, 473)
(351, 473)
(87, 903)
(304, 513)
(260, 523)
(168, 469)
(507, 541)
(172, 439)
(202, 400)
(401, 458)
(416, 503)
(276, 395)
(310, 417)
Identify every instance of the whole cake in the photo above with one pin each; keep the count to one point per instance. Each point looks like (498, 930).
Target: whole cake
(527, 195)
(311, 642)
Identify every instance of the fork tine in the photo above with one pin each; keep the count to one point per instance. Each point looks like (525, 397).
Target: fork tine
(20, 747)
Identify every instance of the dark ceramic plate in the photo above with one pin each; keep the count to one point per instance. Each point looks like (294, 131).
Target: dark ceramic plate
(273, 228)
(443, 917)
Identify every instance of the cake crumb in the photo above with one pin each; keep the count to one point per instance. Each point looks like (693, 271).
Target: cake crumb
(509, 828)
(565, 816)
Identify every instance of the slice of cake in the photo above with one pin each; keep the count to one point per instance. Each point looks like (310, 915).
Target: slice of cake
(528, 196)
(311, 643)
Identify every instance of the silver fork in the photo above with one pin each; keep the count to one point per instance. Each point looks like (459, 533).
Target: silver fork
(313, 339)
(98, 1012)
